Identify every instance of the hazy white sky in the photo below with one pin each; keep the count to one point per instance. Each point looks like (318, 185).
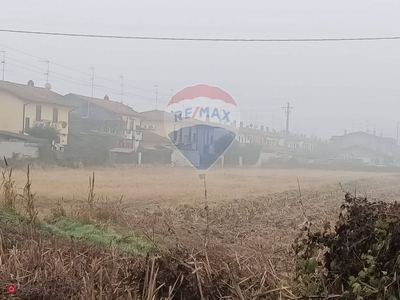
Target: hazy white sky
(328, 84)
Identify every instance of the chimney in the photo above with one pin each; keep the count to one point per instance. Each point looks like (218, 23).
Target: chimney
(208, 118)
(106, 98)
(262, 128)
(345, 131)
(267, 129)
(234, 123)
(30, 83)
(241, 124)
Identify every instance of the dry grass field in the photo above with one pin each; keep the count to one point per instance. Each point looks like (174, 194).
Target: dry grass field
(150, 187)
(249, 209)
(245, 231)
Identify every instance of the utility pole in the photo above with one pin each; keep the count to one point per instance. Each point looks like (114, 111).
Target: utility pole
(156, 86)
(397, 143)
(91, 68)
(122, 89)
(3, 62)
(172, 106)
(288, 110)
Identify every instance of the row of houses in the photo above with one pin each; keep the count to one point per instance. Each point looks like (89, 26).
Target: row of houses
(142, 137)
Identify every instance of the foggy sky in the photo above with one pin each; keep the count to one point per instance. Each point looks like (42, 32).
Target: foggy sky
(328, 84)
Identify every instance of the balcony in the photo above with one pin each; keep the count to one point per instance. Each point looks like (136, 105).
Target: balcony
(58, 126)
(103, 127)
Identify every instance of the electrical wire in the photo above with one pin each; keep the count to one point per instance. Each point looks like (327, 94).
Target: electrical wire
(137, 97)
(85, 73)
(200, 39)
(99, 87)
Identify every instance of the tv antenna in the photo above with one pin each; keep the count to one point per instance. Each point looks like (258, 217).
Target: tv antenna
(122, 89)
(48, 69)
(3, 62)
(91, 68)
(156, 86)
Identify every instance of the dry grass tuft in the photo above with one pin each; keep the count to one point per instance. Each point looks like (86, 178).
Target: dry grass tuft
(28, 201)
(60, 269)
(9, 189)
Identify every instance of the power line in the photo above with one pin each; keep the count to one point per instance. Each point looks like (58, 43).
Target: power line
(33, 66)
(200, 39)
(82, 72)
(99, 87)
(82, 83)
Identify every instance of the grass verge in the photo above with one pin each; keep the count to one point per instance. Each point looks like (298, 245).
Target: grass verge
(94, 234)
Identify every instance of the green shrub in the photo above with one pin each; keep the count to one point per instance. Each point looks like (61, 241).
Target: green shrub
(358, 259)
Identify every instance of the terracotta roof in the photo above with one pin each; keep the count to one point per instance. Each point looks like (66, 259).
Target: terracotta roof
(115, 107)
(32, 93)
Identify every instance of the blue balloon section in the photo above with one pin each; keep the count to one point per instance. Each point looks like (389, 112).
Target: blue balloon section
(202, 145)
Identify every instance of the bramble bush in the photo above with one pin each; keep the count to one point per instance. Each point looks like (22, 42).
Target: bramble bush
(358, 259)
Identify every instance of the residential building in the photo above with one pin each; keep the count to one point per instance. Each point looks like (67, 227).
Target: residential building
(299, 146)
(155, 120)
(193, 140)
(23, 106)
(105, 118)
(368, 148)
(19, 146)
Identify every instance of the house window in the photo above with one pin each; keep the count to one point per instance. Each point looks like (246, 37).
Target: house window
(38, 112)
(55, 115)
(27, 123)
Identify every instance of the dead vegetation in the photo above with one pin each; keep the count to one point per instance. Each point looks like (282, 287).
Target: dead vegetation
(8, 187)
(43, 268)
(358, 258)
(234, 250)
